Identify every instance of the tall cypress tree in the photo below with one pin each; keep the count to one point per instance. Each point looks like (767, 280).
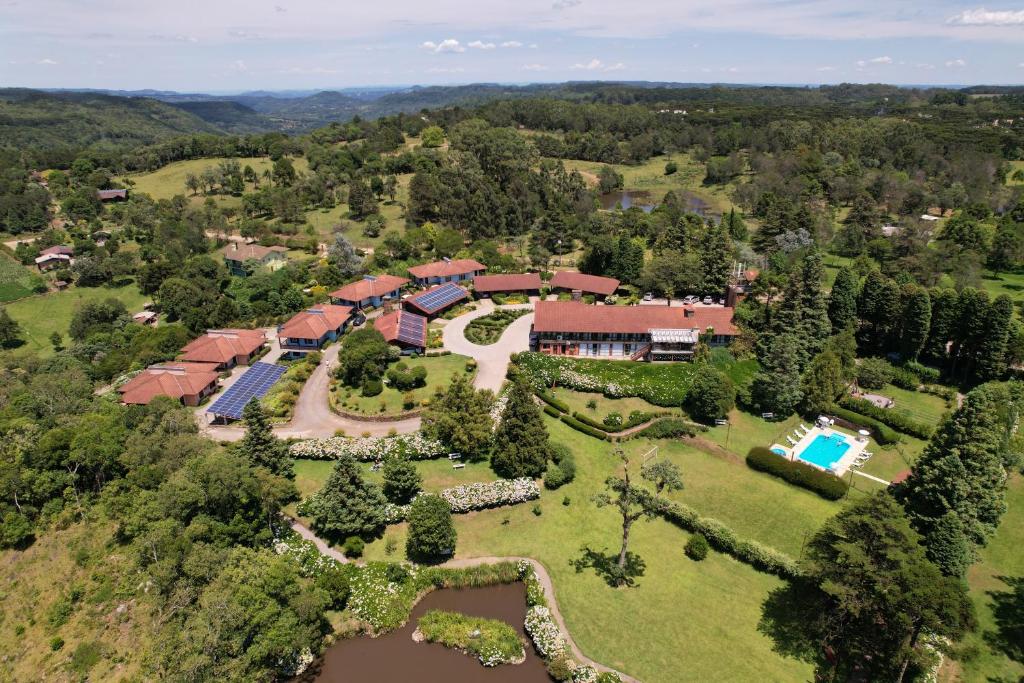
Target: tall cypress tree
(776, 388)
(521, 447)
(814, 321)
(259, 443)
(917, 318)
(992, 347)
(715, 260)
(878, 306)
(347, 505)
(842, 300)
(945, 311)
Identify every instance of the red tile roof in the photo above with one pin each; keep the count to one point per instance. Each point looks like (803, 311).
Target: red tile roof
(112, 194)
(367, 288)
(59, 249)
(314, 323)
(573, 316)
(171, 379)
(244, 252)
(447, 268)
(388, 326)
(221, 346)
(594, 284)
(506, 283)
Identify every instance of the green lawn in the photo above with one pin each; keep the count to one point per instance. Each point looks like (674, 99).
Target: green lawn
(833, 263)
(1002, 562)
(15, 279)
(920, 406)
(324, 220)
(487, 329)
(578, 400)
(683, 621)
(1010, 284)
(169, 180)
(440, 371)
(42, 315)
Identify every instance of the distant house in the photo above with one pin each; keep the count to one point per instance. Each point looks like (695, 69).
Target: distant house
(436, 300)
(314, 327)
(446, 270)
(145, 318)
(190, 383)
(372, 290)
(112, 195)
(891, 230)
(521, 283)
(929, 217)
(570, 328)
(404, 329)
(236, 255)
(587, 284)
(225, 348)
(54, 257)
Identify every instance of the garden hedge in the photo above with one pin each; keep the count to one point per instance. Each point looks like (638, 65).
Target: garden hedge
(552, 411)
(928, 374)
(560, 406)
(825, 484)
(883, 434)
(667, 428)
(585, 428)
(897, 421)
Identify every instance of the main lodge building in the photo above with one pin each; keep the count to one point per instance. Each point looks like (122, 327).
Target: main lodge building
(570, 328)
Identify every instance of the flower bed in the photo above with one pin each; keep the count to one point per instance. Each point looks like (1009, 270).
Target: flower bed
(491, 641)
(544, 632)
(478, 496)
(369, 449)
(488, 329)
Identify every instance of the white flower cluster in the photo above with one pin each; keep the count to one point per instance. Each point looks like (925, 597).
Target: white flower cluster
(373, 596)
(479, 496)
(491, 655)
(298, 664)
(368, 449)
(305, 554)
(498, 409)
(544, 632)
(584, 673)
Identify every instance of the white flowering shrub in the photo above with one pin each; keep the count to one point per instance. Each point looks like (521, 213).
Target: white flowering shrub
(544, 632)
(478, 496)
(311, 562)
(376, 599)
(584, 673)
(369, 449)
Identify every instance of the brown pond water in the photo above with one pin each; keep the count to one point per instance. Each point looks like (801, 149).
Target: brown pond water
(396, 658)
(641, 199)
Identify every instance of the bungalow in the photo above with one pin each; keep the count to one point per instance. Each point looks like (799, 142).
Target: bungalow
(523, 283)
(225, 348)
(145, 318)
(403, 329)
(372, 290)
(446, 270)
(569, 328)
(312, 328)
(236, 255)
(586, 284)
(190, 383)
(55, 257)
(436, 300)
(112, 195)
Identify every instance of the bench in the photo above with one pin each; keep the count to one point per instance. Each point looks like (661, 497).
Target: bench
(458, 465)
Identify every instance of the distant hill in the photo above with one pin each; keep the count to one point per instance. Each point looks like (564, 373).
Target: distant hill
(229, 116)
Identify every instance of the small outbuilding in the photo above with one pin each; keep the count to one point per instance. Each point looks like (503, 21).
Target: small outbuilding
(436, 301)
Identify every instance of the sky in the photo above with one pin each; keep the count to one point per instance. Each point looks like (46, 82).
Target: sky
(239, 45)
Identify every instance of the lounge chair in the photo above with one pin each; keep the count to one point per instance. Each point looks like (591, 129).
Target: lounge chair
(806, 429)
(866, 454)
(790, 440)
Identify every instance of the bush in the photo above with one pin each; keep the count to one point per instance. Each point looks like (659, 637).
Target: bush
(905, 379)
(561, 472)
(560, 406)
(585, 428)
(552, 411)
(372, 387)
(431, 530)
(612, 420)
(897, 421)
(353, 547)
(668, 428)
(825, 484)
(874, 373)
(402, 378)
(56, 643)
(883, 434)
(927, 374)
(697, 547)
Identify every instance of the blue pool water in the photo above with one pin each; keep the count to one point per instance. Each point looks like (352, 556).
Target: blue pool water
(780, 451)
(825, 451)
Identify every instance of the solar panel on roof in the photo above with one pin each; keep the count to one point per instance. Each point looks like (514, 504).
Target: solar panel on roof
(439, 298)
(411, 328)
(255, 383)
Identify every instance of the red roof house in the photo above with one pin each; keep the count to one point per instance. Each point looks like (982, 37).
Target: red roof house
(446, 270)
(312, 328)
(436, 300)
(372, 290)
(190, 383)
(527, 283)
(588, 284)
(404, 329)
(224, 348)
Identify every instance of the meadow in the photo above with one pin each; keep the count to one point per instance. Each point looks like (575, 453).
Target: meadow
(15, 279)
(169, 180)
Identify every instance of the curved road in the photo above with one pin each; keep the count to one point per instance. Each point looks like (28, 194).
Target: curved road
(313, 417)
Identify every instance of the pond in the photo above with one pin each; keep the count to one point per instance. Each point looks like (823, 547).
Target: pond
(395, 657)
(641, 199)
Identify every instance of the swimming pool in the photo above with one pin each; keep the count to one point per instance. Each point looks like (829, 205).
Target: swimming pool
(825, 450)
(779, 450)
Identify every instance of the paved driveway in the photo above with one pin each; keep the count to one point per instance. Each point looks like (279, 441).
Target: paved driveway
(492, 360)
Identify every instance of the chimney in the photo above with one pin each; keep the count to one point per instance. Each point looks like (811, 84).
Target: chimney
(688, 312)
(234, 246)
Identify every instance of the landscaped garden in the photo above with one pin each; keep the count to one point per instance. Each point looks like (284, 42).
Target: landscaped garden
(392, 399)
(488, 329)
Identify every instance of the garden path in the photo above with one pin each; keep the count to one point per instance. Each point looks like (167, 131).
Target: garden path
(492, 360)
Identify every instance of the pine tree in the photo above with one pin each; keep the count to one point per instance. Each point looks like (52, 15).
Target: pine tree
(992, 347)
(842, 300)
(776, 388)
(878, 306)
(521, 447)
(948, 546)
(402, 480)
(917, 319)
(432, 534)
(735, 225)
(460, 418)
(347, 505)
(259, 443)
(822, 382)
(715, 260)
(945, 312)
(815, 326)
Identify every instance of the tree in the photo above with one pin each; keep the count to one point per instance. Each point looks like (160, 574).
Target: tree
(363, 356)
(877, 592)
(343, 257)
(432, 533)
(10, 330)
(608, 179)
(633, 502)
(347, 505)
(842, 300)
(711, 394)
(402, 481)
(916, 321)
(260, 445)
(879, 307)
(776, 388)
(1007, 247)
(360, 199)
(432, 136)
(715, 260)
(521, 447)
(992, 347)
(822, 382)
(460, 418)
(735, 225)
(671, 167)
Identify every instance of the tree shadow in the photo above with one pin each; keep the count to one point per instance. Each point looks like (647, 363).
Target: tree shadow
(606, 566)
(1008, 610)
(788, 618)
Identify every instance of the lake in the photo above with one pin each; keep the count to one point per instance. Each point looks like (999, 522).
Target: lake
(395, 657)
(640, 199)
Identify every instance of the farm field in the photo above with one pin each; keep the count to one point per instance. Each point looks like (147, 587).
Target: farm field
(15, 279)
(440, 371)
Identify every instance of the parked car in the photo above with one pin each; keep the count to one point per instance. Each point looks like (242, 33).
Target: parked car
(648, 296)
(690, 300)
(708, 301)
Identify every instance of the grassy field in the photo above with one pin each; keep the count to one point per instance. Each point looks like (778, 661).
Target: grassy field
(324, 220)
(1014, 166)
(15, 279)
(42, 315)
(922, 407)
(169, 181)
(578, 400)
(440, 371)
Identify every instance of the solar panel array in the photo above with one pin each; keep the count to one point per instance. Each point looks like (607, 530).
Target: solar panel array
(438, 298)
(412, 328)
(255, 383)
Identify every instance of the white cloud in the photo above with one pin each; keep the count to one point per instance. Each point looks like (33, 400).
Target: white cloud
(541, 67)
(238, 65)
(825, 68)
(279, 9)
(565, 4)
(597, 65)
(246, 35)
(480, 45)
(874, 60)
(442, 70)
(731, 69)
(984, 17)
(46, 61)
(447, 45)
(511, 43)
(956, 62)
(307, 70)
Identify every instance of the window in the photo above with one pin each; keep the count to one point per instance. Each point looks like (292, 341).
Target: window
(627, 349)
(593, 349)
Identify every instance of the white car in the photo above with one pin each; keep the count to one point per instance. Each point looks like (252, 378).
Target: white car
(691, 299)
(708, 301)
(648, 296)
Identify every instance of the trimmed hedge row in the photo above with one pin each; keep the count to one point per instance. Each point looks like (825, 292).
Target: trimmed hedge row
(552, 411)
(724, 539)
(897, 421)
(825, 484)
(668, 428)
(560, 406)
(883, 434)
(585, 428)
(926, 373)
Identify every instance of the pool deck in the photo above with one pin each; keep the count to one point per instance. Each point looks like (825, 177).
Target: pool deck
(857, 447)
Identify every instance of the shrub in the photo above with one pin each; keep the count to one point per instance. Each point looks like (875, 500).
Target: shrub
(592, 404)
(697, 547)
(905, 379)
(491, 641)
(671, 167)
(431, 530)
(402, 378)
(927, 374)
(897, 421)
(372, 387)
(56, 643)
(874, 373)
(585, 428)
(353, 547)
(883, 434)
(470, 365)
(552, 411)
(711, 395)
(668, 428)
(561, 472)
(560, 406)
(612, 420)
(825, 484)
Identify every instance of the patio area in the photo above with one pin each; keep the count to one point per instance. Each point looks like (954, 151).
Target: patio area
(811, 445)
